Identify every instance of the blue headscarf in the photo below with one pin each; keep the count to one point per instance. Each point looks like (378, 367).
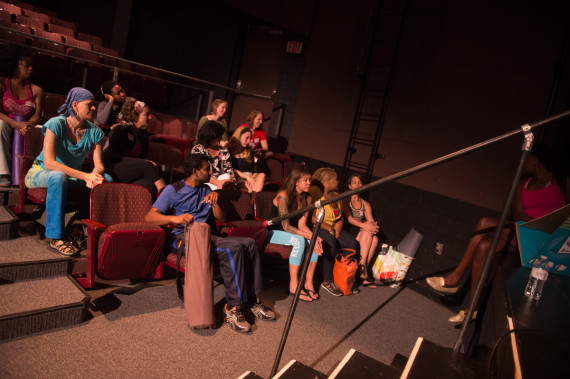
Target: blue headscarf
(75, 94)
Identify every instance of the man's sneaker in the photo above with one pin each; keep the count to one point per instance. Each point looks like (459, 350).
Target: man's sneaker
(261, 311)
(236, 319)
(332, 288)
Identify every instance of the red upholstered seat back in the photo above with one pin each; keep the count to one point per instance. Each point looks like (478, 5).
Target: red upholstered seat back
(238, 205)
(119, 203)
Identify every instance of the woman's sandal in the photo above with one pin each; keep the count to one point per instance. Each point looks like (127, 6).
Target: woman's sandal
(307, 298)
(313, 295)
(63, 247)
(368, 283)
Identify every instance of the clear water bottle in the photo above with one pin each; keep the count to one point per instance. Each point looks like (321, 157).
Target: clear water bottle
(538, 276)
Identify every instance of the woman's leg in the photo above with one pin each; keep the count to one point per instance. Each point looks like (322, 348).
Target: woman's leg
(330, 249)
(372, 250)
(365, 240)
(56, 183)
(482, 250)
(298, 243)
(6, 133)
(258, 182)
(485, 222)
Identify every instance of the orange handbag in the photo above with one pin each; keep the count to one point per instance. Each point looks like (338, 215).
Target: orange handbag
(344, 271)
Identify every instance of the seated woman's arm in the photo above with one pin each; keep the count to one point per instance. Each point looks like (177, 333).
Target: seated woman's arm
(39, 100)
(369, 225)
(265, 148)
(50, 162)
(243, 175)
(98, 158)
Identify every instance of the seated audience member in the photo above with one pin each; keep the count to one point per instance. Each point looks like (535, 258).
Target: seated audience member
(332, 233)
(543, 189)
(69, 138)
(209, 138)
(21, 100)
(218, 114)
(244, 162)
(358, 213)
(294, 195)
(193, 201)
(131, 138)
(109, 110)
(258, 141)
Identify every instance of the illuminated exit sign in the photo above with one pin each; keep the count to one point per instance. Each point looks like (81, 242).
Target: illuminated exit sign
(294, 47)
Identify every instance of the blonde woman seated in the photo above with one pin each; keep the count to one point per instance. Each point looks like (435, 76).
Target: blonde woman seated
(244, 162)
(358, 213)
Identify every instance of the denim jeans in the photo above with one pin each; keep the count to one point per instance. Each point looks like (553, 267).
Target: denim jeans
(57, 184)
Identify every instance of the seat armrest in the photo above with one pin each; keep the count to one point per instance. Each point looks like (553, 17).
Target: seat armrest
(93, 225)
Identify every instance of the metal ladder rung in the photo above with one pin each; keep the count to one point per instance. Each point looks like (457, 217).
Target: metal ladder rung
(368, 117)
(358, 165)
(363, 142)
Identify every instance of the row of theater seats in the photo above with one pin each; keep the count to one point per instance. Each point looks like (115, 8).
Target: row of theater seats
(121, 245)
(66, 58)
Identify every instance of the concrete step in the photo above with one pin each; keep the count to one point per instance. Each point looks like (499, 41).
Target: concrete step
(358, 365)
(25, 258)
(34, 306)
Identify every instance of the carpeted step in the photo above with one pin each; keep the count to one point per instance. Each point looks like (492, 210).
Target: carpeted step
(8, 224)
(37, 305)
(297, 370)
(358, 365)
(441, 362)
(249, 375)
(25, 259)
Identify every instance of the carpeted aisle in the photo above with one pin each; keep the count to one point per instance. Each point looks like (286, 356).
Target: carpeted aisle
(142, 333)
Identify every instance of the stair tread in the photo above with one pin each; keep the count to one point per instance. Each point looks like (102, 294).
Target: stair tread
(26, 249)
(359, 365)
(298, 370)
(441, 362)
(39, 295)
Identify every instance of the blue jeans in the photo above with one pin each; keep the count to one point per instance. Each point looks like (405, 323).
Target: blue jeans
(57, 183)
(300, 244)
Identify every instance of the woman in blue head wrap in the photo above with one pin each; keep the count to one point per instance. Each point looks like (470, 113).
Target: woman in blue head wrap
(68, 140)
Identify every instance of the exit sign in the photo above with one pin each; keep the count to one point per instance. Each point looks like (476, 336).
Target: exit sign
(294, 47)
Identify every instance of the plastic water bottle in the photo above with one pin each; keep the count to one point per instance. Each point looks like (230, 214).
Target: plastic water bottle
(538, 276)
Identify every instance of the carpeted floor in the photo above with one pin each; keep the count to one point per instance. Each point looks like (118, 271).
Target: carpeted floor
(139, 331)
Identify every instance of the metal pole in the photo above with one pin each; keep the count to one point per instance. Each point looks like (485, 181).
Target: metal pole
(279, 122)
(210, 101)
(304, 268)
(489, 259)
(199, 107)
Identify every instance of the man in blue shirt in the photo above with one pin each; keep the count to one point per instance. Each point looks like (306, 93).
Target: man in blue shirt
(193, 201)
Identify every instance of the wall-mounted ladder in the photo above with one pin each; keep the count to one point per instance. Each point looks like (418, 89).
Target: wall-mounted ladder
(383, 41)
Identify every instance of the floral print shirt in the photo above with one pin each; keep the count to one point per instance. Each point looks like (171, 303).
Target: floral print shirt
(220, 164)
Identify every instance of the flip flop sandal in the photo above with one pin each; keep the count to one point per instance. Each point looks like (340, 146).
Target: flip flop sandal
(313, 295)
(369, 284)
(301, 296)
(63, 247)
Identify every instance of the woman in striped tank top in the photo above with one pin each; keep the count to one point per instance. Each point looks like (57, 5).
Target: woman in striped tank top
(358, 212)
